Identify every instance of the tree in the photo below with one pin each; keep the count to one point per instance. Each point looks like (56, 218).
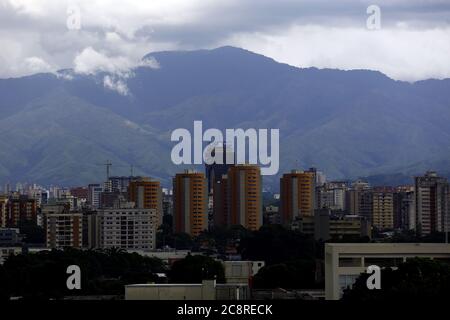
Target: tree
(414, 279)
(275, 244)
(296, 274)
(4, 290)
(32, 232)
(221, 237)
(195, 269)
(43, 274)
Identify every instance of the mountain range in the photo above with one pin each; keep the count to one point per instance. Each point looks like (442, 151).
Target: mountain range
(61, 128)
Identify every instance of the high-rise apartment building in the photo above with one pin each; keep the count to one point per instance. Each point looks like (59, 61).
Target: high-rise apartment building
(404, 208)
(147, 193)
(20, 208)
(63, 228)
(297, 195)
(359, 200)
(331, 195)
(244, 193)
(121, 183)
(432, 203)
(383, 208)
(167, 203)
(190, 211)
(81, 193)
(221, 202)
(222, 159)
(3, 211)
(94, 195)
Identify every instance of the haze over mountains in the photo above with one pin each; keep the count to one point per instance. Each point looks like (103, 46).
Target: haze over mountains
(346, 123)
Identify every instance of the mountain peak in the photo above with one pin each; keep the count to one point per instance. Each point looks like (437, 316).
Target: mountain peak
(227, 51)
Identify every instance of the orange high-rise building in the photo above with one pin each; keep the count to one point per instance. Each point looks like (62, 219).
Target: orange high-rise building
(297, 190)
(146, 193)
(190, 210)
(244, 196)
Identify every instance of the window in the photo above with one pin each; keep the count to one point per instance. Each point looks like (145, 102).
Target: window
(346, 281)
(349, 262)
(382, 262)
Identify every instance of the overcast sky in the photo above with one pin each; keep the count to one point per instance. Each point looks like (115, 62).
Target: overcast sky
(413, 41)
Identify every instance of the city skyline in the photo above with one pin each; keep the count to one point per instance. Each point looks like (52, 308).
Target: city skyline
(213, 158)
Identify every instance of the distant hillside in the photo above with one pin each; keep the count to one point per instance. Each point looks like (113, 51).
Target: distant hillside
(346, 123)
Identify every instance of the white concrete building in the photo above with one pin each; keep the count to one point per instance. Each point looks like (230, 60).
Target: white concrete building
(126, 228)
(241, 271)
(344, 262)
(207, 290)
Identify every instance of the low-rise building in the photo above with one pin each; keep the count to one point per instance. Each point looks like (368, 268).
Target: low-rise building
(241, 271)
(207, 290)
(325, 226)
(344, 262)
(10, 237)
(5, 252)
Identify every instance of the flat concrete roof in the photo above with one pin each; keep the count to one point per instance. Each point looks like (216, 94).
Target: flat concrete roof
(164, 285)
(387, 244)
(389, 248)
(147, 285)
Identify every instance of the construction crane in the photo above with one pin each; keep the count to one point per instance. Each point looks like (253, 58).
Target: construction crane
(108, 164)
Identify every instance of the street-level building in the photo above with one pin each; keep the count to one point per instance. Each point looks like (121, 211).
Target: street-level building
(344, 262)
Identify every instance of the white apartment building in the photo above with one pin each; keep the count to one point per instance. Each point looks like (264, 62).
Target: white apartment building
(126, 227)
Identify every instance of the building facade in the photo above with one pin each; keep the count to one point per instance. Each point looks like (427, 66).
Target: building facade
(297, 195)
(190, 211)
(147, 193)
(404, 208)
(221, 202)
(383, 208)
(63, 228)
(21, 208)
(432, 201)
(94, 195)
(124, 227)
(344, 262)
(244, 185)
(3, 211)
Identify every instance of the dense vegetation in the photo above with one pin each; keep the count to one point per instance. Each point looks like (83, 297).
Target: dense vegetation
(43, 274)
(414, 279)
(194, 269)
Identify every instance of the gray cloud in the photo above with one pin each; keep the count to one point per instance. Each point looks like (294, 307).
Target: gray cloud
(412, 44)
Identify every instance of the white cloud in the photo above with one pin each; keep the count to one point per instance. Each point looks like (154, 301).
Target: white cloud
(90, 61)
(401, 53)
(36, 64)
(115, 35)
(114, 84)
(120, 68)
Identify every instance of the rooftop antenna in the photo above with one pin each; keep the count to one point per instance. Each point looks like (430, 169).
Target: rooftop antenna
(108, 165)
(132, 170)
